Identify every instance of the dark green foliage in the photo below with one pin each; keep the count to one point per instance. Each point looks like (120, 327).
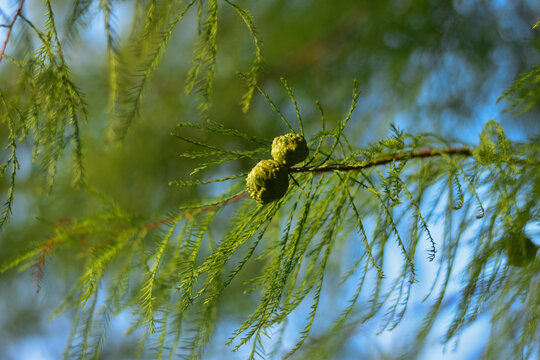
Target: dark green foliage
(520, 250)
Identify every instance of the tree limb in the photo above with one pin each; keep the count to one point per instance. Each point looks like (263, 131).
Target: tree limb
(387, 159)
(10, 27)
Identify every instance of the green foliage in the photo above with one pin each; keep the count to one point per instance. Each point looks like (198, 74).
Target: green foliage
(523, 94)
(47, 105)
(47, 108)
(171, 271)
(160, 20)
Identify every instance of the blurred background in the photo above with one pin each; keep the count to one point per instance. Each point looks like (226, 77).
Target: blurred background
(425, 65)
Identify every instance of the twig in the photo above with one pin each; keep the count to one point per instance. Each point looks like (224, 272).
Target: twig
(387, 159)
(10, 28)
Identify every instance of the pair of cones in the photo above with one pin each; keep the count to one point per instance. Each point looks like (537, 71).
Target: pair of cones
(268, 180)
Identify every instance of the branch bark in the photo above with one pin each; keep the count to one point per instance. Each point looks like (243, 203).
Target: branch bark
(10, 28)
(465, 151)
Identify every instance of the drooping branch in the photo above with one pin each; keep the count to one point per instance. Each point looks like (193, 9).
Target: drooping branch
(423, 153)
(10, 28)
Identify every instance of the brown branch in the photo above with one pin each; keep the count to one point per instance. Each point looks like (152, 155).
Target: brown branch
(46, 250)
(465, 151)
(10, 28)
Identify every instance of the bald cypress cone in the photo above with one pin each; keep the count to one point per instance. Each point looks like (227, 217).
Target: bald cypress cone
(267, 181)
(289, 149)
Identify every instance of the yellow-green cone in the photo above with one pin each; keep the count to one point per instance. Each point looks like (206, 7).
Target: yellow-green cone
(520, 250)
(267, 181)
(289, 149)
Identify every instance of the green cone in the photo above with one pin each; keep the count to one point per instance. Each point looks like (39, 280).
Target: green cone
(289, 149)
(267, 181)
